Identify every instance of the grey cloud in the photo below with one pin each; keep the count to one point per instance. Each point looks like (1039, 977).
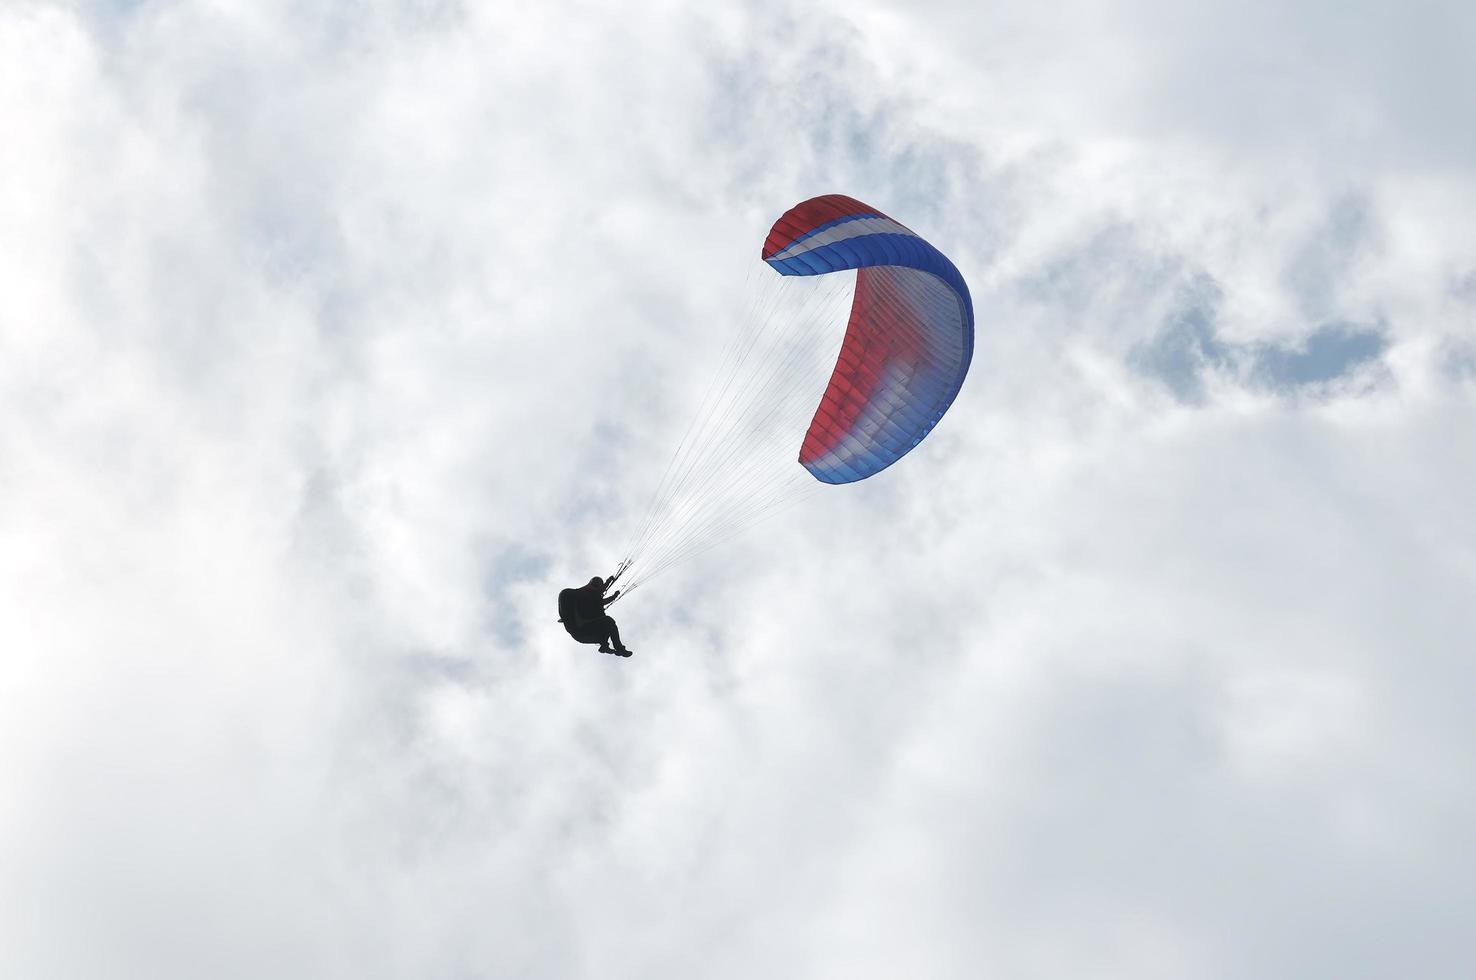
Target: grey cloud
(1348, 89)
(1459, 363)
(1464, 287)
(1322, 266)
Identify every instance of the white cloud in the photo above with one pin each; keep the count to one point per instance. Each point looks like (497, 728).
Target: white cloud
(333, 343)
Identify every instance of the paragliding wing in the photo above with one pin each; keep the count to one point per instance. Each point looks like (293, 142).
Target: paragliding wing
(908, 342)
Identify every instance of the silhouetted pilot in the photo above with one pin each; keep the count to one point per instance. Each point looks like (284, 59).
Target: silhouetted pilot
(582, 611)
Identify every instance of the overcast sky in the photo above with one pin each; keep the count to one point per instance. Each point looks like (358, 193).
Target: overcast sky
(335, 338)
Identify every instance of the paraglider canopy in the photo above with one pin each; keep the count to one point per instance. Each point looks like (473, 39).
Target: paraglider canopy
(908, 342)
(898, 365)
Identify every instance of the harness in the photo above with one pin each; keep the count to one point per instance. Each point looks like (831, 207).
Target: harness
(569, 610)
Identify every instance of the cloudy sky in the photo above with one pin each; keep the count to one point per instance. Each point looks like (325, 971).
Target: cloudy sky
(335, 338)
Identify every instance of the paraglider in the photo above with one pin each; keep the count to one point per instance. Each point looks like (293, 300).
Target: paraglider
(582, 611)
(901, 361)
(908, 342)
